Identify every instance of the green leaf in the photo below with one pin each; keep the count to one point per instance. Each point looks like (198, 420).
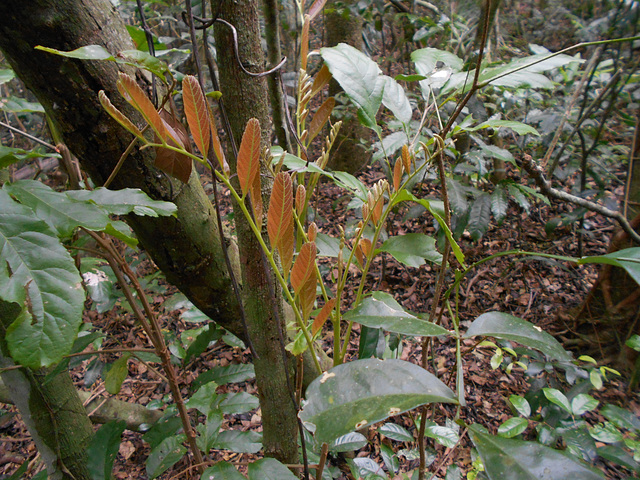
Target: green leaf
(269, 469)
(508, 327)
(396, 432)
(521, 405)
(6, 75)
(426, 60)
(499, 203)
(90, 52)
(479, 216)
(210, 430)
(518, 127)
(395, 99)
(634, 342)
(390, 458)
(144, 60)
(9, 156)
(125, 201)
(162, 429)
(222, 471)
(62, 214)
(139, 37)
(117, 374)
(328, 246)
(380, 310)
(457, 196)
(20, 105)
(583, 403)
(37, 273)
(519, 460)
(103, 449)
(616, 454)
(165, 455)
(367, 468)
(204, 398)
(359, 77)
(621, 417)
(348, 443)
(202, 341)
(353, 395)
(239, 442)
(606, 433)
(412, 249)
(234, 373)
(443, 435)
(557, 397)
(513, 427)
(629, 259)
(239, 402)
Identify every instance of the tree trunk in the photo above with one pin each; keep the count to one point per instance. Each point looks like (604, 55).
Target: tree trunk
(51, 409)
(351, 155)
(187, 248)
(247, 98)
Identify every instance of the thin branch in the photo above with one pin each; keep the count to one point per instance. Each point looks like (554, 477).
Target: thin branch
(25, 134)
(536, 173)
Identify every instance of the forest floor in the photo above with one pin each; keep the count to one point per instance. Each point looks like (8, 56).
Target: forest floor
(544, 292)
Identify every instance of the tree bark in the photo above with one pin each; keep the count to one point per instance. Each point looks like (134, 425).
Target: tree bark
(187, 248)
(50, 408)
(246, 98)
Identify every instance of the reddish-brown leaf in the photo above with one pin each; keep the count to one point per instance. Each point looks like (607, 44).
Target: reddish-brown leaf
(117, 115)
(133, 94)
(175, 164)
(318, 322)
(285, 248)
(249, 155)
(280, 215)
(196, 111)
(256, 200)
(304, 266)
(307, 297)
(312, 232)
(322, 79)
(316, 8)
(377, 210)
(301, 199)
(406, 159)
(397, 175)
(217, 146)
(320, 118)
(304, 42)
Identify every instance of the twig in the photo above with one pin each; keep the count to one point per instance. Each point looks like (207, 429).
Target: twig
(25, 134)
(536, 173)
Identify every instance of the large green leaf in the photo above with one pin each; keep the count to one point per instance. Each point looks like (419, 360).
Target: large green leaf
(127, 200)
(359, 77)
(508, 327)
(380, 310)
(359, 393)
(62, 214)
(426, 60)
(269, 469)
(222, 471)
(412, 249)
(239, 442)
(479, 216)
(103, 449)
(37, 273)
(629, 259)
(165, 455)
(395, 99)
(519, 460)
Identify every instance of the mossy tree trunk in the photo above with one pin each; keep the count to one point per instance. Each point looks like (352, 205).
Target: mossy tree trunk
(245, 98)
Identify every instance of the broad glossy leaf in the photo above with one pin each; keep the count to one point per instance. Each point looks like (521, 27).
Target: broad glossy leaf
(6, 75)
(629, 259)
(426, 60)
(234, 373)
(380, 310)
(621, 417)
(583, 403)
(125, 201)
(269, 469)
(518, 127)
(38, 273)
(238, 402)
(396, 432)
(359, 393)
(144, 60)
(222, 471)
(304, 266)
(529, 76)
(367, 468)
(457, 196)
(165, 455)
(239, 442)
(558, 398)
(204, 398)
(508, 327)
(412, 249)
(618, 455)
(390, 458)
(443, 435)
(197, 113)
(249, 155)
(117, 374)
(9, 156)
(328, 246)
(513, 427)
(320, 118)
(519, 460)
(521, 405)
(358, 76)
(499, 203)
(62, 213)
(395, 99)
(103, 449)
(348, 443)
(89, 52)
